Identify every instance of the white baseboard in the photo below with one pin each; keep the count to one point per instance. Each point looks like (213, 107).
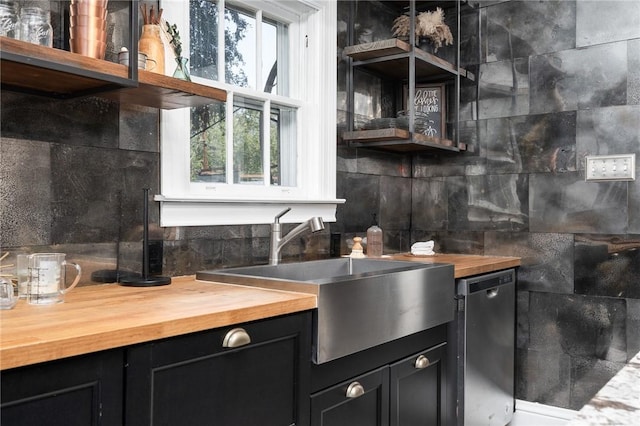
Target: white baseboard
(544, 410)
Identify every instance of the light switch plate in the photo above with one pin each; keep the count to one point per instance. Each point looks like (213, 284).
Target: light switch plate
(621, 167)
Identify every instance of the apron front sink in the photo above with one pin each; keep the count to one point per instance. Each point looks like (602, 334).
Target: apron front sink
(361, 302)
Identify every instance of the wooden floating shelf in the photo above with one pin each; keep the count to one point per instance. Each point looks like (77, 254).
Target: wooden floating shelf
(44, 71)
(377, 49)
(398, 140)
(391, 57)
(160, 91)
(54, 72)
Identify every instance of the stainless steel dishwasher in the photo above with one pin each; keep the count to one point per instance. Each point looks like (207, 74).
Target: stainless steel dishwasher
(485, 325)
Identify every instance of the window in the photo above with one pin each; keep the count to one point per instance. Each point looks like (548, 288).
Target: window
(272, 144)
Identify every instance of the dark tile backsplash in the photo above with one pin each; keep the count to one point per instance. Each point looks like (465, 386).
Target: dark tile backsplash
(608, 265)
(566, 203)
(488, 202)
(579, 78)
(594, 131)
(557, 80)
(594, 22)
(522, 29)
(531, 143)
(81, 122)
(547, 258)
(503, 88)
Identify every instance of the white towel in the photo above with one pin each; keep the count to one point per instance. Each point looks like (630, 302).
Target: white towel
(422, 248)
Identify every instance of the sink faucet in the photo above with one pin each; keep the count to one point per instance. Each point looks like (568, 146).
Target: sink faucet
(314, 224)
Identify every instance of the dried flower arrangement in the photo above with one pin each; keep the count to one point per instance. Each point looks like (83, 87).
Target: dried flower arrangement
(428, 24)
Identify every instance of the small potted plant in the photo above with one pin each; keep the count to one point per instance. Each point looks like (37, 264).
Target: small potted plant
(182, 69)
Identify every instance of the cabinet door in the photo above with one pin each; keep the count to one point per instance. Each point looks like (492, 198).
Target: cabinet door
(193, 380)
(80, 391)
(418, 389)
(362, 401)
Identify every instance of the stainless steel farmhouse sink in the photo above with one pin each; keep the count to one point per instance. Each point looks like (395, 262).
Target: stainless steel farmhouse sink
(361, 302)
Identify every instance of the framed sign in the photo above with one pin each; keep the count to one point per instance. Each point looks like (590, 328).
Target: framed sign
(430, 109)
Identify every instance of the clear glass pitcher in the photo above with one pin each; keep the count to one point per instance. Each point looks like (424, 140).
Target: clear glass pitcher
(47, 284)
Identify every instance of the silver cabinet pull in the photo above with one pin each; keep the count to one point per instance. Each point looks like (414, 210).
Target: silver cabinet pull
(421, 362)
(235, 338)
(355, 390)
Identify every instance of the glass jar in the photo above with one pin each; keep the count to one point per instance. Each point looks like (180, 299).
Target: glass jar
(35, 26)
(375, 242)
(8, 19)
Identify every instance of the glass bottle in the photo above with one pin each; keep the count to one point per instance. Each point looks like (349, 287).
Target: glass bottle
(35, 26)
(374, 240)
(8, 19)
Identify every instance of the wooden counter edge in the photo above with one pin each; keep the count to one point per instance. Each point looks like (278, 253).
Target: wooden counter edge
(497, 265)
(31, 352)
(465, 265)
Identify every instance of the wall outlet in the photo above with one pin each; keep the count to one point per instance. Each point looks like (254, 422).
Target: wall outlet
(610, 167)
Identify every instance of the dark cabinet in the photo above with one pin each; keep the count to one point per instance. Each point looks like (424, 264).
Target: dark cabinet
(408, 392)
(362, 401)
(418, 389)
(254, 374)
(84, 391)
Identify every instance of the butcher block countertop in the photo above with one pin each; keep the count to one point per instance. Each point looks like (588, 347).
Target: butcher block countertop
(465, 265)
(100, 317)
(106, 316)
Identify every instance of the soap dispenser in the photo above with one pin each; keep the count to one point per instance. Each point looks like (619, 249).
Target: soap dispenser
(374, 240)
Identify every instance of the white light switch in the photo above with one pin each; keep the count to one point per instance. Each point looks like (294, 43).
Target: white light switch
(610, 167)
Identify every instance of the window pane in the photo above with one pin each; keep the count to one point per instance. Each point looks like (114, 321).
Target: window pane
(269, 57)
(274, 129)
(208, 147)
(247, 145)
(283, 146)
(249, 162)
(240, 48)
(203, 38)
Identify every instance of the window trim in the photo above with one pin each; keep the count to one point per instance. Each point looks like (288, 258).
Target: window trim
(316, 143)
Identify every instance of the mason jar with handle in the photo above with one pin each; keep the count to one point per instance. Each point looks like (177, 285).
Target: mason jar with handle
(47, 284)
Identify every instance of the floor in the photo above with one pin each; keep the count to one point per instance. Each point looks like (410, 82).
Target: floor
(522, 418)
(532, 414)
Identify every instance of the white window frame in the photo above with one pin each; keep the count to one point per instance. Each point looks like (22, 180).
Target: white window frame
(312, 86)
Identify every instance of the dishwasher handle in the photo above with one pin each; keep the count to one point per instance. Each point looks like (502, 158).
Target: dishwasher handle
(488, 283)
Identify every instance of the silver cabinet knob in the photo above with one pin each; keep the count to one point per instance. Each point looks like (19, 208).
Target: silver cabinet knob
(355, 390)
(421, 362)
(235, 338)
